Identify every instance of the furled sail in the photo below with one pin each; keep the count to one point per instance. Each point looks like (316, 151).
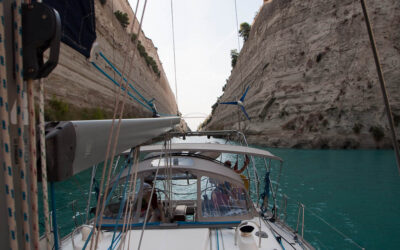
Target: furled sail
(74, 146)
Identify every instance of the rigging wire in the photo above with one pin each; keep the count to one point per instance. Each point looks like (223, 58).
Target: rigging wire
(237, 26)
(329, 225)
(115, 139)
(110, 137)
(92, 180)
(173, 45)
(167, 147)
(131, 199)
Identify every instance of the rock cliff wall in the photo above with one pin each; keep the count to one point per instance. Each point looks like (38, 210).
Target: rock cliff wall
(312, 78)
(78, 83)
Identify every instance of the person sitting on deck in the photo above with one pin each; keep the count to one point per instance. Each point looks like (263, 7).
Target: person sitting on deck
(235, 168)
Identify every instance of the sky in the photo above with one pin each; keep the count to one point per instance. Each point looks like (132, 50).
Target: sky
(205, 33)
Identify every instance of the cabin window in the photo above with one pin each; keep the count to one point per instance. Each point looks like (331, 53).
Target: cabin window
(174, 198)
(120, 195)
(173, 161)
(222, 198)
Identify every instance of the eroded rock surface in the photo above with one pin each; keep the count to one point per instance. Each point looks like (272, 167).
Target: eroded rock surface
(312, 78)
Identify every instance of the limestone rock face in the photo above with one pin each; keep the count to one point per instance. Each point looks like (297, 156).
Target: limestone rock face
(76, 81)
(312, 78)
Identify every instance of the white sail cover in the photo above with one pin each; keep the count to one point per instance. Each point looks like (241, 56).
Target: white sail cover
(77, 145)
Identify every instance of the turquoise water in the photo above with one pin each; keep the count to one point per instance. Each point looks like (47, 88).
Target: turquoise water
(354, 191)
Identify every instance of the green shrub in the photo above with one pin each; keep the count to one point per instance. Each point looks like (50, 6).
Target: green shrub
(122, 18)
(377, 133)
(149, 60)
(58, 110)
(357, 128)
(234, 57)
(133, 37)
(244, 31)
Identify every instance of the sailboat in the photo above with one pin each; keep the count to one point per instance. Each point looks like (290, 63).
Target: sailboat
(178, 196)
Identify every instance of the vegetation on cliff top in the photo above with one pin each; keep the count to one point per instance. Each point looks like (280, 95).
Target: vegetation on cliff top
(143, 53)
(234, 57)
(124, 21)
(244, 31)
(122, 18)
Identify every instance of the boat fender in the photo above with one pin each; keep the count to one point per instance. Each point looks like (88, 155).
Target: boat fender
(246, 239)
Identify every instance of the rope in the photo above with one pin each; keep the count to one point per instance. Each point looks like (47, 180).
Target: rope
(151, 195)
(21, 143)
(133, 24)
(90, 192)
(123, 199)
(118, 127)
(145, 105)
(148, 104)
(125, 80)
(173, 45)
(32, 162)
(109, 196)
(107, 154)
(5, 147)
(116, 83)
(43, 164)
(131, 199)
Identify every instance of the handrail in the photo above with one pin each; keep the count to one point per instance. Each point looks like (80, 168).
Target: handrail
(301, 207)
